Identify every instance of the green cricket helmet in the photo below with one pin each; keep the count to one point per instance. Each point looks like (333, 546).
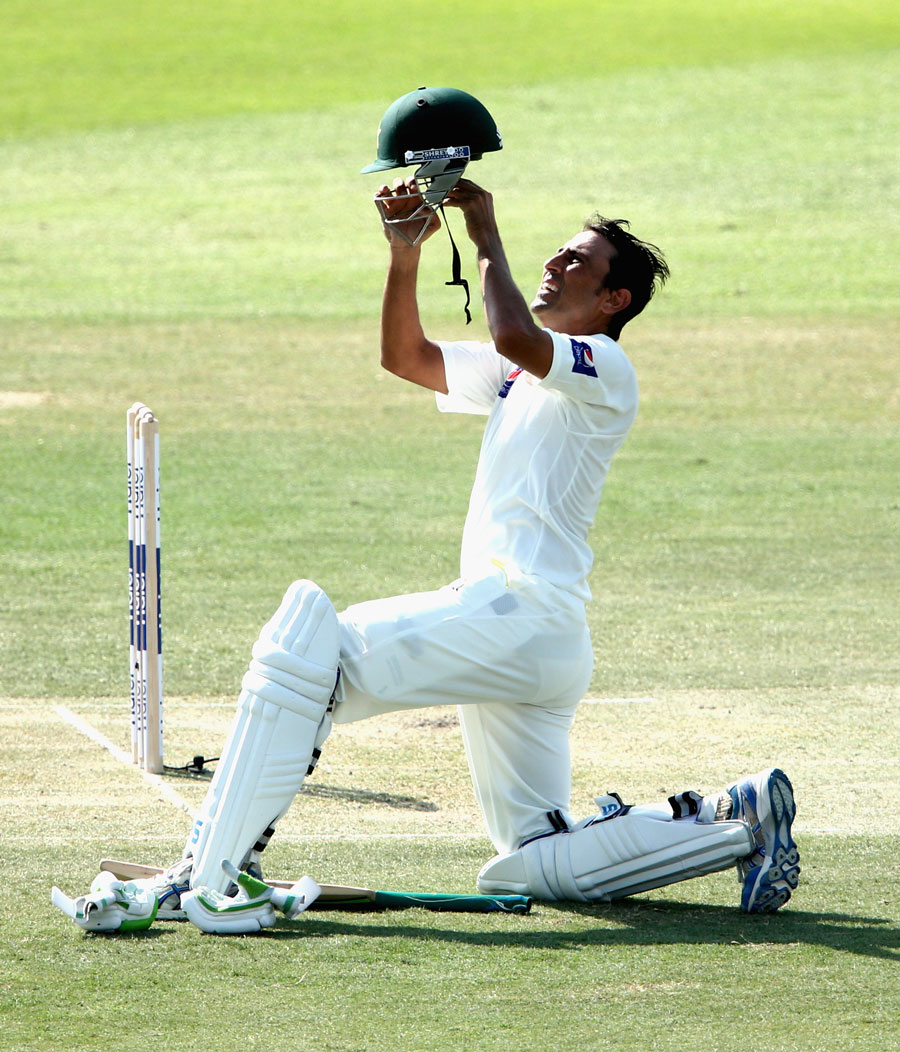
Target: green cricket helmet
(434, 124)
(440, 130)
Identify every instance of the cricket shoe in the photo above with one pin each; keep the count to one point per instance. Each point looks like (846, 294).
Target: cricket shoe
(765, 801)
(168, 887)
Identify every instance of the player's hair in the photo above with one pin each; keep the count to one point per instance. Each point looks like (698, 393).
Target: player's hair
(637, 266)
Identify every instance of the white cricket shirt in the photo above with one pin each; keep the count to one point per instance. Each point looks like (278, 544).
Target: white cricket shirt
(545, 453)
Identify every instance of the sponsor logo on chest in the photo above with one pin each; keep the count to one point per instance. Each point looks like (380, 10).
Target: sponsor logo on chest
(508, 382)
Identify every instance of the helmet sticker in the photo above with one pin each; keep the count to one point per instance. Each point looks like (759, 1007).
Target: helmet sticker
(448, 153)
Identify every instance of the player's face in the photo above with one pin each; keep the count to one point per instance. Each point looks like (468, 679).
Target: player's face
(572, 284)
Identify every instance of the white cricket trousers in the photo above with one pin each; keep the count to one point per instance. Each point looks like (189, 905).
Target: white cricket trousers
(515, 656)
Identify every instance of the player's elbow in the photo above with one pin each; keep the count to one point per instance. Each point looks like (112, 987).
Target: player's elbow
(420, 364)
(388, 360)
(394, 360)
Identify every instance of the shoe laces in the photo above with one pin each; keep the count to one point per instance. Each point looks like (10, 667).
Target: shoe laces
(178, 873)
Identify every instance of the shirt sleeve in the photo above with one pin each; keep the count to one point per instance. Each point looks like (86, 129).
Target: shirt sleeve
(475, 374)
(592, 369)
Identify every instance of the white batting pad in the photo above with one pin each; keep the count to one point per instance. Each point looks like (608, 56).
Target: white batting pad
(282, 718)
(644, 848)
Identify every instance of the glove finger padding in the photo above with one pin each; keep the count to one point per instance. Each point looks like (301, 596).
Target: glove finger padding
(110, 905)
(251, 908)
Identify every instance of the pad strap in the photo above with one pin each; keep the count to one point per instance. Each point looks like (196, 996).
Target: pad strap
(686, 804)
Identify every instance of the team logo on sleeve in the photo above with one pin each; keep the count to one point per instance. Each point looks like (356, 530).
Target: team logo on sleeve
(509, 381)
(584, 359)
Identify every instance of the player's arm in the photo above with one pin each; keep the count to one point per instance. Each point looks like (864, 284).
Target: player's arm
(513, 330)
(405, 349)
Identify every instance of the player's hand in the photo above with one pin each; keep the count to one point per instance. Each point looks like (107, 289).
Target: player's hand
(404, 200)
(477, 205)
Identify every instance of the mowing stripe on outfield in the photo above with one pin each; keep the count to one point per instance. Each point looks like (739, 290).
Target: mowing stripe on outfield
(617, 701)
(95, 736)
(283, 838)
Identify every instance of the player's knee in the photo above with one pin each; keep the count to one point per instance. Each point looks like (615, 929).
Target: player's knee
(294, 660)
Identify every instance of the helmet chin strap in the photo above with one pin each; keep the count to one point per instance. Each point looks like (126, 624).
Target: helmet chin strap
(458, 279)
(438, 177)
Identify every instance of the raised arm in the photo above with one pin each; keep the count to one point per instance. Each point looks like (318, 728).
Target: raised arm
(405, 350)
(515, 333)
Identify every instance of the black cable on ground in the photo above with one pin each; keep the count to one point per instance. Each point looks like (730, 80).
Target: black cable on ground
(196, 766)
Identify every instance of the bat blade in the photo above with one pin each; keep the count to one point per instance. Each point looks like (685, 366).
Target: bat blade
(138, 871)
(345, 897)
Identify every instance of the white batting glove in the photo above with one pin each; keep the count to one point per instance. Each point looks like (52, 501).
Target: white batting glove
(110, 905)
(250, 909)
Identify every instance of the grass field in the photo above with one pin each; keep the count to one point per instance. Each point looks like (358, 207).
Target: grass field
(182, 222)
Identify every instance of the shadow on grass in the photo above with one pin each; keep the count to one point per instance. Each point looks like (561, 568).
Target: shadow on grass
(634, 923)
(317, 789)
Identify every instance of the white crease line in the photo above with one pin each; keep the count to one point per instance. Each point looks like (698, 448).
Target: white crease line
(283, 838)
(95, 736)
(617, 701)
(169, 794)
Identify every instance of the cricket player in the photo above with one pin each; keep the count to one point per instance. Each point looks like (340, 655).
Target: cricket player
(508, 642)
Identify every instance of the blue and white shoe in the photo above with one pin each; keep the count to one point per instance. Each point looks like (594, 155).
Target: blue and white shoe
(765, 801)
(168, 887)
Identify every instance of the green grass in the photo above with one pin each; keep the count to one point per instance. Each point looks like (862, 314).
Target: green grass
(647, 973)
(788, 210)
(182, 222)
(125, 63)
(748, 535)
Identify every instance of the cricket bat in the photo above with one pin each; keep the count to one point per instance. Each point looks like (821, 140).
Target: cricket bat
(342, 897)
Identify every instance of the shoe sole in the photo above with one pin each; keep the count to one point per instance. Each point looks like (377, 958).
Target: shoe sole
(768, 886)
